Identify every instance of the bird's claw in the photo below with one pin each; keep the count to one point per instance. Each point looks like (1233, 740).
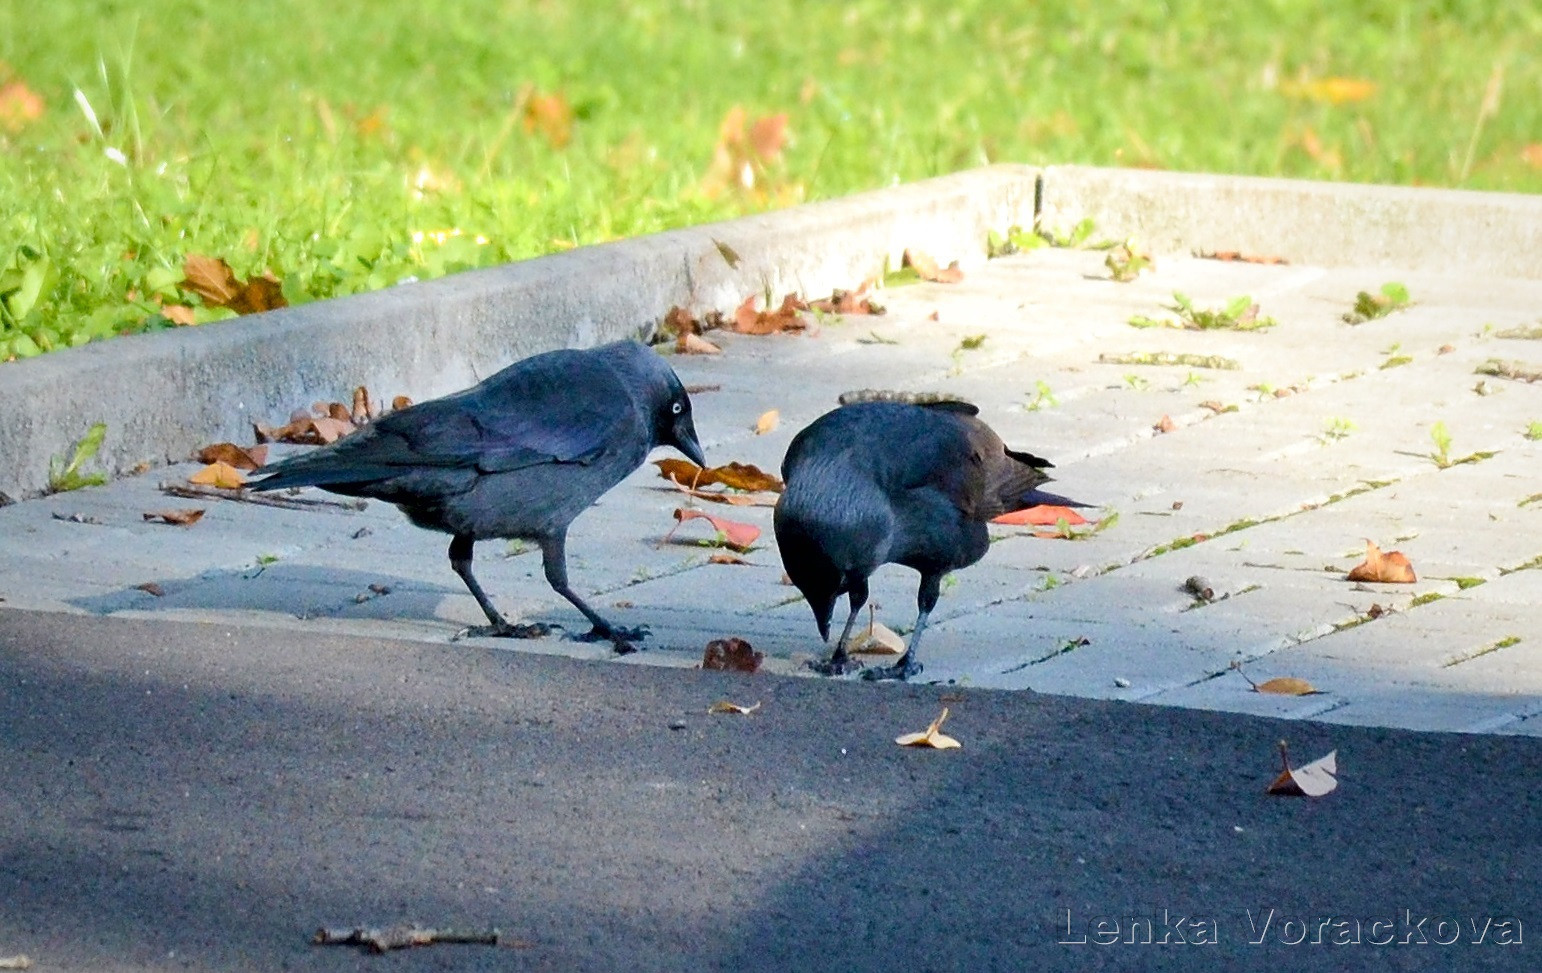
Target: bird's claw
(621, 638)
(901, 670)
(504, 630)
(835, 666)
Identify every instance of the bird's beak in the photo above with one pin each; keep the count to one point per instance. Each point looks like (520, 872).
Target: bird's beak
(685, 440)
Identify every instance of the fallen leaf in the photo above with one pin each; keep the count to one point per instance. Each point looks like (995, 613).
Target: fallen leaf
(927, 268)
(212, 279)
(179, 314)
(241, 457)
(221, 475)
(400, 402)
(930, 737)
(729, 254)
(1330, 91)
(736, 535)
(767, 422)
(363, 408)
(786, 317)
(152, 588)
(731, 655)
(721, 558)
(848, 302)
(19, 105)
(1287, 686)
(1164, 424)
(694, 344)
(1043, 515)
(1309, 780)
(548, 114)
(1392, 567)
(329, 429)
(1238, 256)
(745, 152)
(735, 476)
(181, 518)
(877, 639)
(724, 706)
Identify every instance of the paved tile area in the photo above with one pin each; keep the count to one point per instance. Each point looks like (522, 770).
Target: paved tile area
(1273, 475)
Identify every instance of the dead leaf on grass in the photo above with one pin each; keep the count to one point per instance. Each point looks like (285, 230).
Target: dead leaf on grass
(932, 736)
(212, 279)
(731, 655)
(1309, 780)
(1391, 567)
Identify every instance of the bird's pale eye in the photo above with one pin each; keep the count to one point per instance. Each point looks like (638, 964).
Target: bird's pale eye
(677, 408)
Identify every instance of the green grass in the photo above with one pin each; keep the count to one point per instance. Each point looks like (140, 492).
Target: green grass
(340, 146)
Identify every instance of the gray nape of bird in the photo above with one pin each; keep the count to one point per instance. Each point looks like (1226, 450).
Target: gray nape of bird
(887, 482)
(518, 456)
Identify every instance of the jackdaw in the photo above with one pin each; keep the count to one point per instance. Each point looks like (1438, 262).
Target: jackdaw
(889, 482)
(518, 456)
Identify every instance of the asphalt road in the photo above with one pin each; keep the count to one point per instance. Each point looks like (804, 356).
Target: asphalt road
(199, 796)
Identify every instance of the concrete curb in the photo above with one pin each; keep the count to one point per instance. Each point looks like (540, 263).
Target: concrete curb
(164, 395)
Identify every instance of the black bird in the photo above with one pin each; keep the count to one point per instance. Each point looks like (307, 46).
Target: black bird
(518, 456)
(892, 482)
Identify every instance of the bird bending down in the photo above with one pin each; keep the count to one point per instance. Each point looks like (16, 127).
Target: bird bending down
(886, 482)
(519, 455)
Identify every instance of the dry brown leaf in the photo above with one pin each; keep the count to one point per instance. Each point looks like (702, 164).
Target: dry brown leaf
(928, 269)
(735, 476)
(930, 737)
(221, 475)
(364, 409)
(694, 344)
(747, 320)
(1233, 255)
(241, 457)
(179, 314)
(212, 279)
(744, 152)
(400, 402)
(848, 302)
(721, 558)
(548, 114)
(724, 706)
(1391, 567)
(186, 517)
(734, 534)
(1309, 780)
(329, 429)
(767, 422)
(877, 639)
(731, 655)
(1164, 424)
(152, 588)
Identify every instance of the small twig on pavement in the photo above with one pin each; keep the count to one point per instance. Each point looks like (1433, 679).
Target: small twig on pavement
(196, 492)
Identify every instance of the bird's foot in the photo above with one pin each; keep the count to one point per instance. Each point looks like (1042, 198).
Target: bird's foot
(835, 666)
(901, 670)
(504, 630)
(621, 638)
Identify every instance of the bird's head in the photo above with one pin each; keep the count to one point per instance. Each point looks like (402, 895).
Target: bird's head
(809, 569)
(673, 426)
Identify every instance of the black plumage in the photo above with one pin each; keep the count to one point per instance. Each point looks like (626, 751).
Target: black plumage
(886, 482)
(518, 456)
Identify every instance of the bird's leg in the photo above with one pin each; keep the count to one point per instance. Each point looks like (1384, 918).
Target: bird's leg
(909, 664)
(839, 662)
(554, 559)
(461, 548)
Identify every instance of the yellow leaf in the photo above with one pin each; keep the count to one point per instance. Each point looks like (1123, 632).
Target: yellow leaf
(221, 475)
(930, 737)
(724, 706)
(767, 422)
(1331, 91)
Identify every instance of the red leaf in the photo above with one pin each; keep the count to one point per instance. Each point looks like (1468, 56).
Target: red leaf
(735, 535)
(1043, 515)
